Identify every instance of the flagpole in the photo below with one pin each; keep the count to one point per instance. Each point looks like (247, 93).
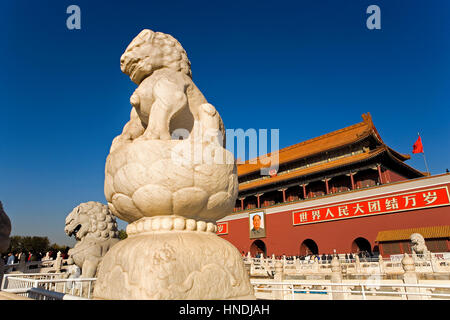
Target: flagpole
(424, 159)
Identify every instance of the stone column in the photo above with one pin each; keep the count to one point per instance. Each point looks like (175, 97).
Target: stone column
(336, 277)
(434, 263)
(410, 277)
(357, 263)
(278, 277)
(381, 263)
(58, 262)
(316, 266)
(252, 267)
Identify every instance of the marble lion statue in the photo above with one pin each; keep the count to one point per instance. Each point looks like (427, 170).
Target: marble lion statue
(95, 230)
(5, 229)
(150, 171)
(418, 244)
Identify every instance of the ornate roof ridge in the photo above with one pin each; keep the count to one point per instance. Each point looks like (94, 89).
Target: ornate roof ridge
(321, 137)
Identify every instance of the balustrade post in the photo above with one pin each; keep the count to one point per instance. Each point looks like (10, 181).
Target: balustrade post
(252, 266)
(279, 277)
(410, 277)
(434, 264)
(381, 264)
(298, 266)
(58, 262)
(336, 277)
(358, 264)
(316, 266)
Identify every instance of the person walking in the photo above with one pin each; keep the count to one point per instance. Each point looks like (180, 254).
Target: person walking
(10, 258)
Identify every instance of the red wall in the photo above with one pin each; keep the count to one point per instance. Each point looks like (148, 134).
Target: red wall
(282, 237)
(392, 176)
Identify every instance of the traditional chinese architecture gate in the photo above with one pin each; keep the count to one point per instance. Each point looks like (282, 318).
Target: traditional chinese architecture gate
(345, 191)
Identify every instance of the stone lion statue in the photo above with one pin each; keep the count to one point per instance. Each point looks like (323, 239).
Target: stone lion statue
(5, 229)
(141, 177)
(418, 244)
(95, 230)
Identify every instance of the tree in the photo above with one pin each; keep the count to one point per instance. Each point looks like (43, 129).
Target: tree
(27, 243)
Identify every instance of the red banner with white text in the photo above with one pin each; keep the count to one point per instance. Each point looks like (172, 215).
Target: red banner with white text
(380, 205)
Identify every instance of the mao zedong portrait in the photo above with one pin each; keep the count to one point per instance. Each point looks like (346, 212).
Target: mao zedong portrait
(257, 226)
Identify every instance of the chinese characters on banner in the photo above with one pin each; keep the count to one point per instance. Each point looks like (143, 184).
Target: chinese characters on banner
(222, 228)
(380, 205)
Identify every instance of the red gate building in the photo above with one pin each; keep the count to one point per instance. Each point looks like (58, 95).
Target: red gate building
(345, 191)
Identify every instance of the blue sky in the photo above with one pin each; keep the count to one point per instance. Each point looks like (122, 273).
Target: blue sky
(304, 67)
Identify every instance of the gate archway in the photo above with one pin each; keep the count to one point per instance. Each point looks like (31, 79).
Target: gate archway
(309, 246)
(361, 244)
(258, 246)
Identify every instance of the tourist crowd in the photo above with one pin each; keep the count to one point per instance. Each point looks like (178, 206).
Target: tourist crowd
(364, 256)
(16, 257)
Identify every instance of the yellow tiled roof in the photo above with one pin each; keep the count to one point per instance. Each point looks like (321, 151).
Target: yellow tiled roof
(310, 170)
(404, 234)
(319, 144)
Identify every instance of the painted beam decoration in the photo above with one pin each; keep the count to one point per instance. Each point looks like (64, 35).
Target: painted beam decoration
(380, 205)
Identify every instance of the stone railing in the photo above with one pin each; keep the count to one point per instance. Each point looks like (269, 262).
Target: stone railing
(48, 285)
(43, 266)
(408, 286)
(349, 290)
(356, 266)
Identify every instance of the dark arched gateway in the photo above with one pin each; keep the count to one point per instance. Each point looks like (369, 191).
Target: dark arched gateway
(258, 246)
(309, 246)
(361, 244)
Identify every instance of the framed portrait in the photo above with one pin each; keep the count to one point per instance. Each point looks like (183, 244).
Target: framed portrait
(257, 225)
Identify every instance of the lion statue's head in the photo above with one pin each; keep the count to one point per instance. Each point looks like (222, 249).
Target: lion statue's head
(418, 243)
(150, 51)
(91, 220)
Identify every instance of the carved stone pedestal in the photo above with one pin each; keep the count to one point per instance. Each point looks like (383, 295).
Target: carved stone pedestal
(171, 257)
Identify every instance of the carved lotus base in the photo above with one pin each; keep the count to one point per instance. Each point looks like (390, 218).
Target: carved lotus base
(172, 258)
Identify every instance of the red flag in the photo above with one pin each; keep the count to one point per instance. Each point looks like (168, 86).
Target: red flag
(418, 147)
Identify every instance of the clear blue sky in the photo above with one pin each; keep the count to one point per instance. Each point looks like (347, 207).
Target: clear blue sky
(304, 67)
